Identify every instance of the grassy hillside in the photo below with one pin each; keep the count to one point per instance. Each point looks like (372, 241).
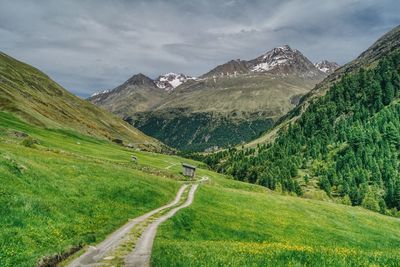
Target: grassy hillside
(234, 224)
(33, 96)
(61, 189)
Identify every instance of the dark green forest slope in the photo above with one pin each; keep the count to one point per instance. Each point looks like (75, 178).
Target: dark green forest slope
(348, 140)
(198, 131)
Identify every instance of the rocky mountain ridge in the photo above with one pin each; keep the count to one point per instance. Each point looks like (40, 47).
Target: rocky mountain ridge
(167, 82)
(281, 60)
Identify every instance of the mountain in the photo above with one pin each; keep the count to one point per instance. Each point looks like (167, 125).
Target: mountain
(138, 93)
(171, 80)
(342, 139)
(285, 61)
(326, 66)
(279, 61)
(33, 96)
(233, 103)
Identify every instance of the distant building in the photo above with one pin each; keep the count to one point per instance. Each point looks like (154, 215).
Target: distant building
(188, 170)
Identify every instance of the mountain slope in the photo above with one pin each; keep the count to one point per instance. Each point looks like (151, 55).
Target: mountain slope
(369, 58)
(232, 103)
(281, 60)
(138, 93)
(346, 142)
(33, 96)
(385, 45)
(284, 60)
(170, 81)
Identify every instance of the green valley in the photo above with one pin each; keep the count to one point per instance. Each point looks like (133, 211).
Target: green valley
(271, 161)
(58, 195)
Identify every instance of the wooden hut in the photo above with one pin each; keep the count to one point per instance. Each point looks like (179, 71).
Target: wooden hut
(188, 170)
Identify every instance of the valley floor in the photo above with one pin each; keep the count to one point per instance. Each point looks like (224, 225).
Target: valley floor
(66, 190)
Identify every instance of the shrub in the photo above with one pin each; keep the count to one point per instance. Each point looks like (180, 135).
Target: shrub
(29, 142)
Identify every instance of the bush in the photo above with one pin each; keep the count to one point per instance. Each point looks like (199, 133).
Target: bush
(29, 142)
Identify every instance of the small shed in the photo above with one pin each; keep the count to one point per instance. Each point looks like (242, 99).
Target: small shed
(188, 170)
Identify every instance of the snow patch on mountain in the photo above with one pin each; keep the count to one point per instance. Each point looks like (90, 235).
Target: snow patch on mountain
(326, 66)
(276, 57)
(170, 81)
(100, 93)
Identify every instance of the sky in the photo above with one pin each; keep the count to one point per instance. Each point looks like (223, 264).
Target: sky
(92, 45)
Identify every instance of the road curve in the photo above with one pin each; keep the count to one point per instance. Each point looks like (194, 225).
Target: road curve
(140, 256)
(96, 254)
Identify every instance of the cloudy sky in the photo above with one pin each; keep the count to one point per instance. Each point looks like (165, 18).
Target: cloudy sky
(88, 45)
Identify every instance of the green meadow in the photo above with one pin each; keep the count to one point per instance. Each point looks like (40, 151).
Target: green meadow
(60, 189)
(66, 189)
(250, 226)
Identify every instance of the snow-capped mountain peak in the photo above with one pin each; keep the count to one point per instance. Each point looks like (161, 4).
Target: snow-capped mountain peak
(326, 66)
(280, 51)
(275, 57)
(284, 60)
(171, 80)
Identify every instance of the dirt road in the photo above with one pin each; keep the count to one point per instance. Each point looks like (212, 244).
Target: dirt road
(96, 254)
(142, 253)
(142, 248)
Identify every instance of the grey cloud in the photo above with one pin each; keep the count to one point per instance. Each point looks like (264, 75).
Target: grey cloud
(96, 44)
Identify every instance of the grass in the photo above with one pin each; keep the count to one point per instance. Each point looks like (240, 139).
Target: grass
(117, 256)
(69, 189)
(249, 226)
